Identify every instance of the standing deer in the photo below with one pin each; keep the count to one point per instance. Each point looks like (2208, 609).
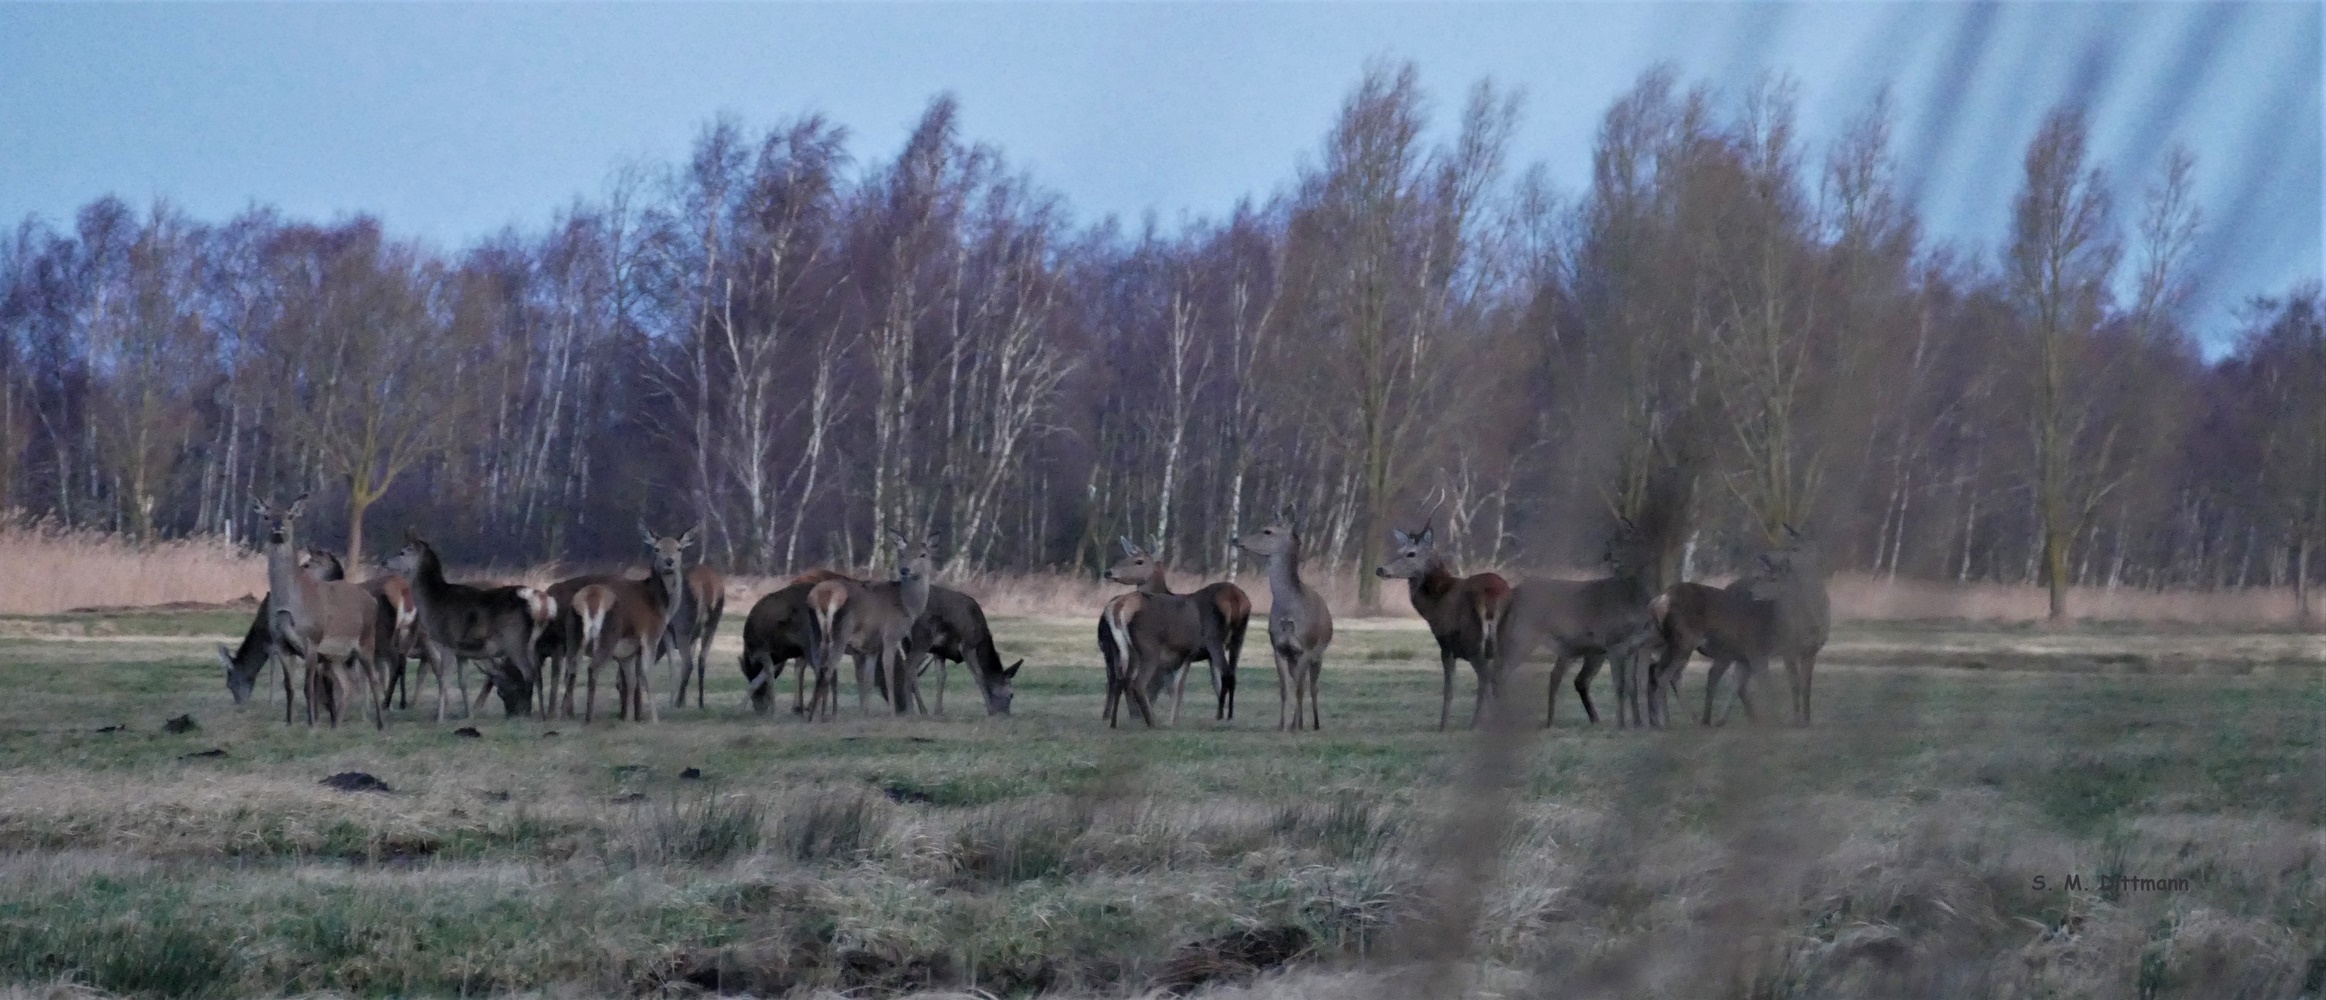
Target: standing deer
(1594, 620)
(782, 628)
(1779, 611)
(627, 620)
(1178, 630)
(869, 620)
(691, 633)
(458, 622)
(1299, 624)
(952, 629)
(258, 649)
(1463, 612)
(330, 624)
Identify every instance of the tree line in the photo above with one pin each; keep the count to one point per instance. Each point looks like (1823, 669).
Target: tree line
(1727, 331)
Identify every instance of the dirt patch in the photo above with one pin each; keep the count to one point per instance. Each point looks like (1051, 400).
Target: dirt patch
(355, 781)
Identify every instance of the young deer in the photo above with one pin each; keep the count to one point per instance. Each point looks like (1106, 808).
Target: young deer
(1463, 612)
(458, 622)
(691, 633)
(870, 620)
(331, 624)
(1169, 632)
(1594, 620)
(1779, 611)
(1299, 624)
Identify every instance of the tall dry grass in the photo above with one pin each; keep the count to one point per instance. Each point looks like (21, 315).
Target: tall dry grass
(51, 569)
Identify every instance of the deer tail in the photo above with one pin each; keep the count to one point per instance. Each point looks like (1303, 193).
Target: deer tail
(541, 607)
(1118, 621)
(1660, 608)
(592, 604)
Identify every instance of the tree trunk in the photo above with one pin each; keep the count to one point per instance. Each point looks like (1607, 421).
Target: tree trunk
(2302, 581)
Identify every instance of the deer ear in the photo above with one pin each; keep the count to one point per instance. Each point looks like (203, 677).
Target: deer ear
(411, 535)
(1010, 674)
(687, 541)
(1129, 548)
(1400, 536)
(1423, 539)
(263, 509)
(296, 506)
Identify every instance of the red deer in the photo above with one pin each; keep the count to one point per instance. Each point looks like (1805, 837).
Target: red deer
(1779, 611)
(626, 620)
(258, 650)
(781, 628)
(692, 630)
(1207, 625)
(1594, 620)
(872, 620)
(458, 622)
(1300, 626)
(1463, 612)
(330, 624)
(952, 629)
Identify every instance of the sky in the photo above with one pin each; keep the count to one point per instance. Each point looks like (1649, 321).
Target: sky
(452, 121)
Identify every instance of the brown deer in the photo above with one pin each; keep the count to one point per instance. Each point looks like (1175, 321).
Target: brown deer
(456, 622)
(869, 620)
(781, 628)
(402, 634)
(330, 624)
(1591, 620)
(1463, 612)
(952, 629)
(1300, 626)
(258, 649)
(627, 620)
(1778, 611)
(1175, 630)
(691, 633)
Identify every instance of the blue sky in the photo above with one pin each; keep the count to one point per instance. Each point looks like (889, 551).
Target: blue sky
(451, 121)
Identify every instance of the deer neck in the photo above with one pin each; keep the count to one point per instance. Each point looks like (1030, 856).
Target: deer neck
(913, 596)
(284, 578)
(1433, 585)
(1158, 582)
(1284, 572)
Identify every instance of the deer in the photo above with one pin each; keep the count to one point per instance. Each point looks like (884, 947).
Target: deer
(330, 624)
(1591, 620)
(869, 620)
(781, 628)
(1209, 626)
(691, 633)
(258, 649)
(1463, 612)
(628, 621)
(1300, 626)
(952, 629)
(456, 622)
(1778, 611)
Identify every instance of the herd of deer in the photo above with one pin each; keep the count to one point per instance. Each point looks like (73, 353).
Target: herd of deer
(354, 640)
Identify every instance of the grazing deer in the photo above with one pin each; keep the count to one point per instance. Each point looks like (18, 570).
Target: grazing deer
(1463, 612)
(456, 622)
(1300, 626)
(781, 628)
(691, 633)
(1594, 620)
(258, 649)
(330, 624)
(952, 629)
(1207, 625)
(869, 620)
(1779, 611)
(628, 620)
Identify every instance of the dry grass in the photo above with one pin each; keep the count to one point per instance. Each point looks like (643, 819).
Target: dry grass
(52, 569)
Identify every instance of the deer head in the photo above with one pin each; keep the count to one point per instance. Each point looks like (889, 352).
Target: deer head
(669, 553)
(1415, 553)
(1272, 539)
(406, 561)
(1136, 567)
(278, 520)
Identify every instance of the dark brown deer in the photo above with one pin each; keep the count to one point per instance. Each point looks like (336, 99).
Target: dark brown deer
(456, 622)
(1463, 612)
(1590, 620)
(781, 628)
(1780, 610)
(691, 633)
(332, 625)
(872, 620)
(1300, 626)
(1209, 627)
(952, 629)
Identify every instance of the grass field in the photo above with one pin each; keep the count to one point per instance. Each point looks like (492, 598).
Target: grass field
(1918, 841)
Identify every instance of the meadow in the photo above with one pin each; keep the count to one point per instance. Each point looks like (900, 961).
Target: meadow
(1951, 826)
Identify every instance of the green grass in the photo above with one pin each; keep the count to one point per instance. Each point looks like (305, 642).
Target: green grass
(1045, 852)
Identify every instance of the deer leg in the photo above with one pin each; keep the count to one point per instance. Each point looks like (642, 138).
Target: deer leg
(1446, 692)
(1808, 669)
(1283, 685)
(590, 695)
(863, 684)
(1316, 666)
(1712, 677)
(944, 670)
(646, 682)
(1558, 676)
(1591, 664)
(1744, 684)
